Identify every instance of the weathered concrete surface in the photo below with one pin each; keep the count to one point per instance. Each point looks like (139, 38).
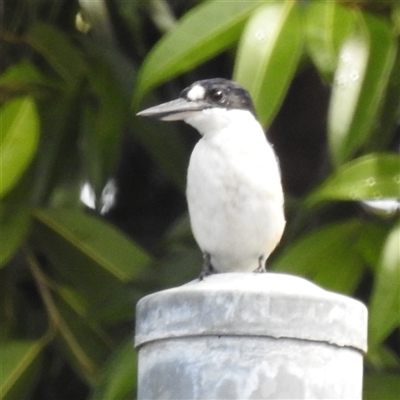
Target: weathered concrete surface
(250, 336)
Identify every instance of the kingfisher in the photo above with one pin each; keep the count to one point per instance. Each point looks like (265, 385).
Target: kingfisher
(234, 190)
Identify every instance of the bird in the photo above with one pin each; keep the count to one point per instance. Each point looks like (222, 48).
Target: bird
(234, 190)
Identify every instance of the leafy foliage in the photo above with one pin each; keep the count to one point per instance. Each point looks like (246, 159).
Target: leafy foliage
(73, 76)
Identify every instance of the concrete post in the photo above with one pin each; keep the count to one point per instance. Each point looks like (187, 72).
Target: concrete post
(250, 336)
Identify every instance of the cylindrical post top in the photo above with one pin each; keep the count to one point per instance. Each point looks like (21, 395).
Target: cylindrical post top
(259, 305)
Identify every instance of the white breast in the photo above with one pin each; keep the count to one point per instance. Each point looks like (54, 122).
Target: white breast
(234, 191)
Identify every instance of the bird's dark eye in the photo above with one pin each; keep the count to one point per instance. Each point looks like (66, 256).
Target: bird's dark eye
(216, 94)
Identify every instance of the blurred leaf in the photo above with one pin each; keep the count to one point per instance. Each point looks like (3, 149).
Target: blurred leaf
(204, 31)
(396, 17)
(365, 62)
(117, 380)
(57, 156)
(88, 251)
(181, 264)
(19, 135)
(58, 51)
(381, 386)
(328, 257)
(117, 307)
(97, 240)
(104, 124)
(382, 358)
(20, 365)
(375, 175)
(15, 219)
(13, 228)
(180, 231)
(384, 306)
(161, 15)
(74, 299)
(7, 319)
(112, 309)
(268, 54)
(166, 145)
(327, 26)
(85, 343)
(370, 243)
(390, 115)
(19, 77)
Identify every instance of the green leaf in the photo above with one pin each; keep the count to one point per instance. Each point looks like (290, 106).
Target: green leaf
(390, 114)
(370, 243)
(59, 52)
(19, 76)
(97, 240)
(103, 123)
(384, 307)
(268, 55)
(373, 176)
(327, 26)
(328, 257)
(13, 229)
(20, 365)
(19, 136)
(15, 220)
(119, 306)
(382, 358)
(84, 343)
(206, 30)
(396, 17)
(365, 62)
(117, 380)
(75, 300)
(88, 251)
(57, 155)
(161, 14)
(381, 386)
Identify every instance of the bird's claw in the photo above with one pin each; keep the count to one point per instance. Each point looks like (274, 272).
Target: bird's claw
(207, 268)
(261, 265)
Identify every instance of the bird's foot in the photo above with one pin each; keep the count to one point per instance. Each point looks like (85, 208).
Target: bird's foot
(261, 265)
(207, 268)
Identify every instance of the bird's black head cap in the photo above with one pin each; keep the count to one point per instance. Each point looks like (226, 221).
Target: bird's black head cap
(223, 93)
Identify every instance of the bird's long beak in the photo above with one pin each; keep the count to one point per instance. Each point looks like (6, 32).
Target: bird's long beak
(174, 110)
